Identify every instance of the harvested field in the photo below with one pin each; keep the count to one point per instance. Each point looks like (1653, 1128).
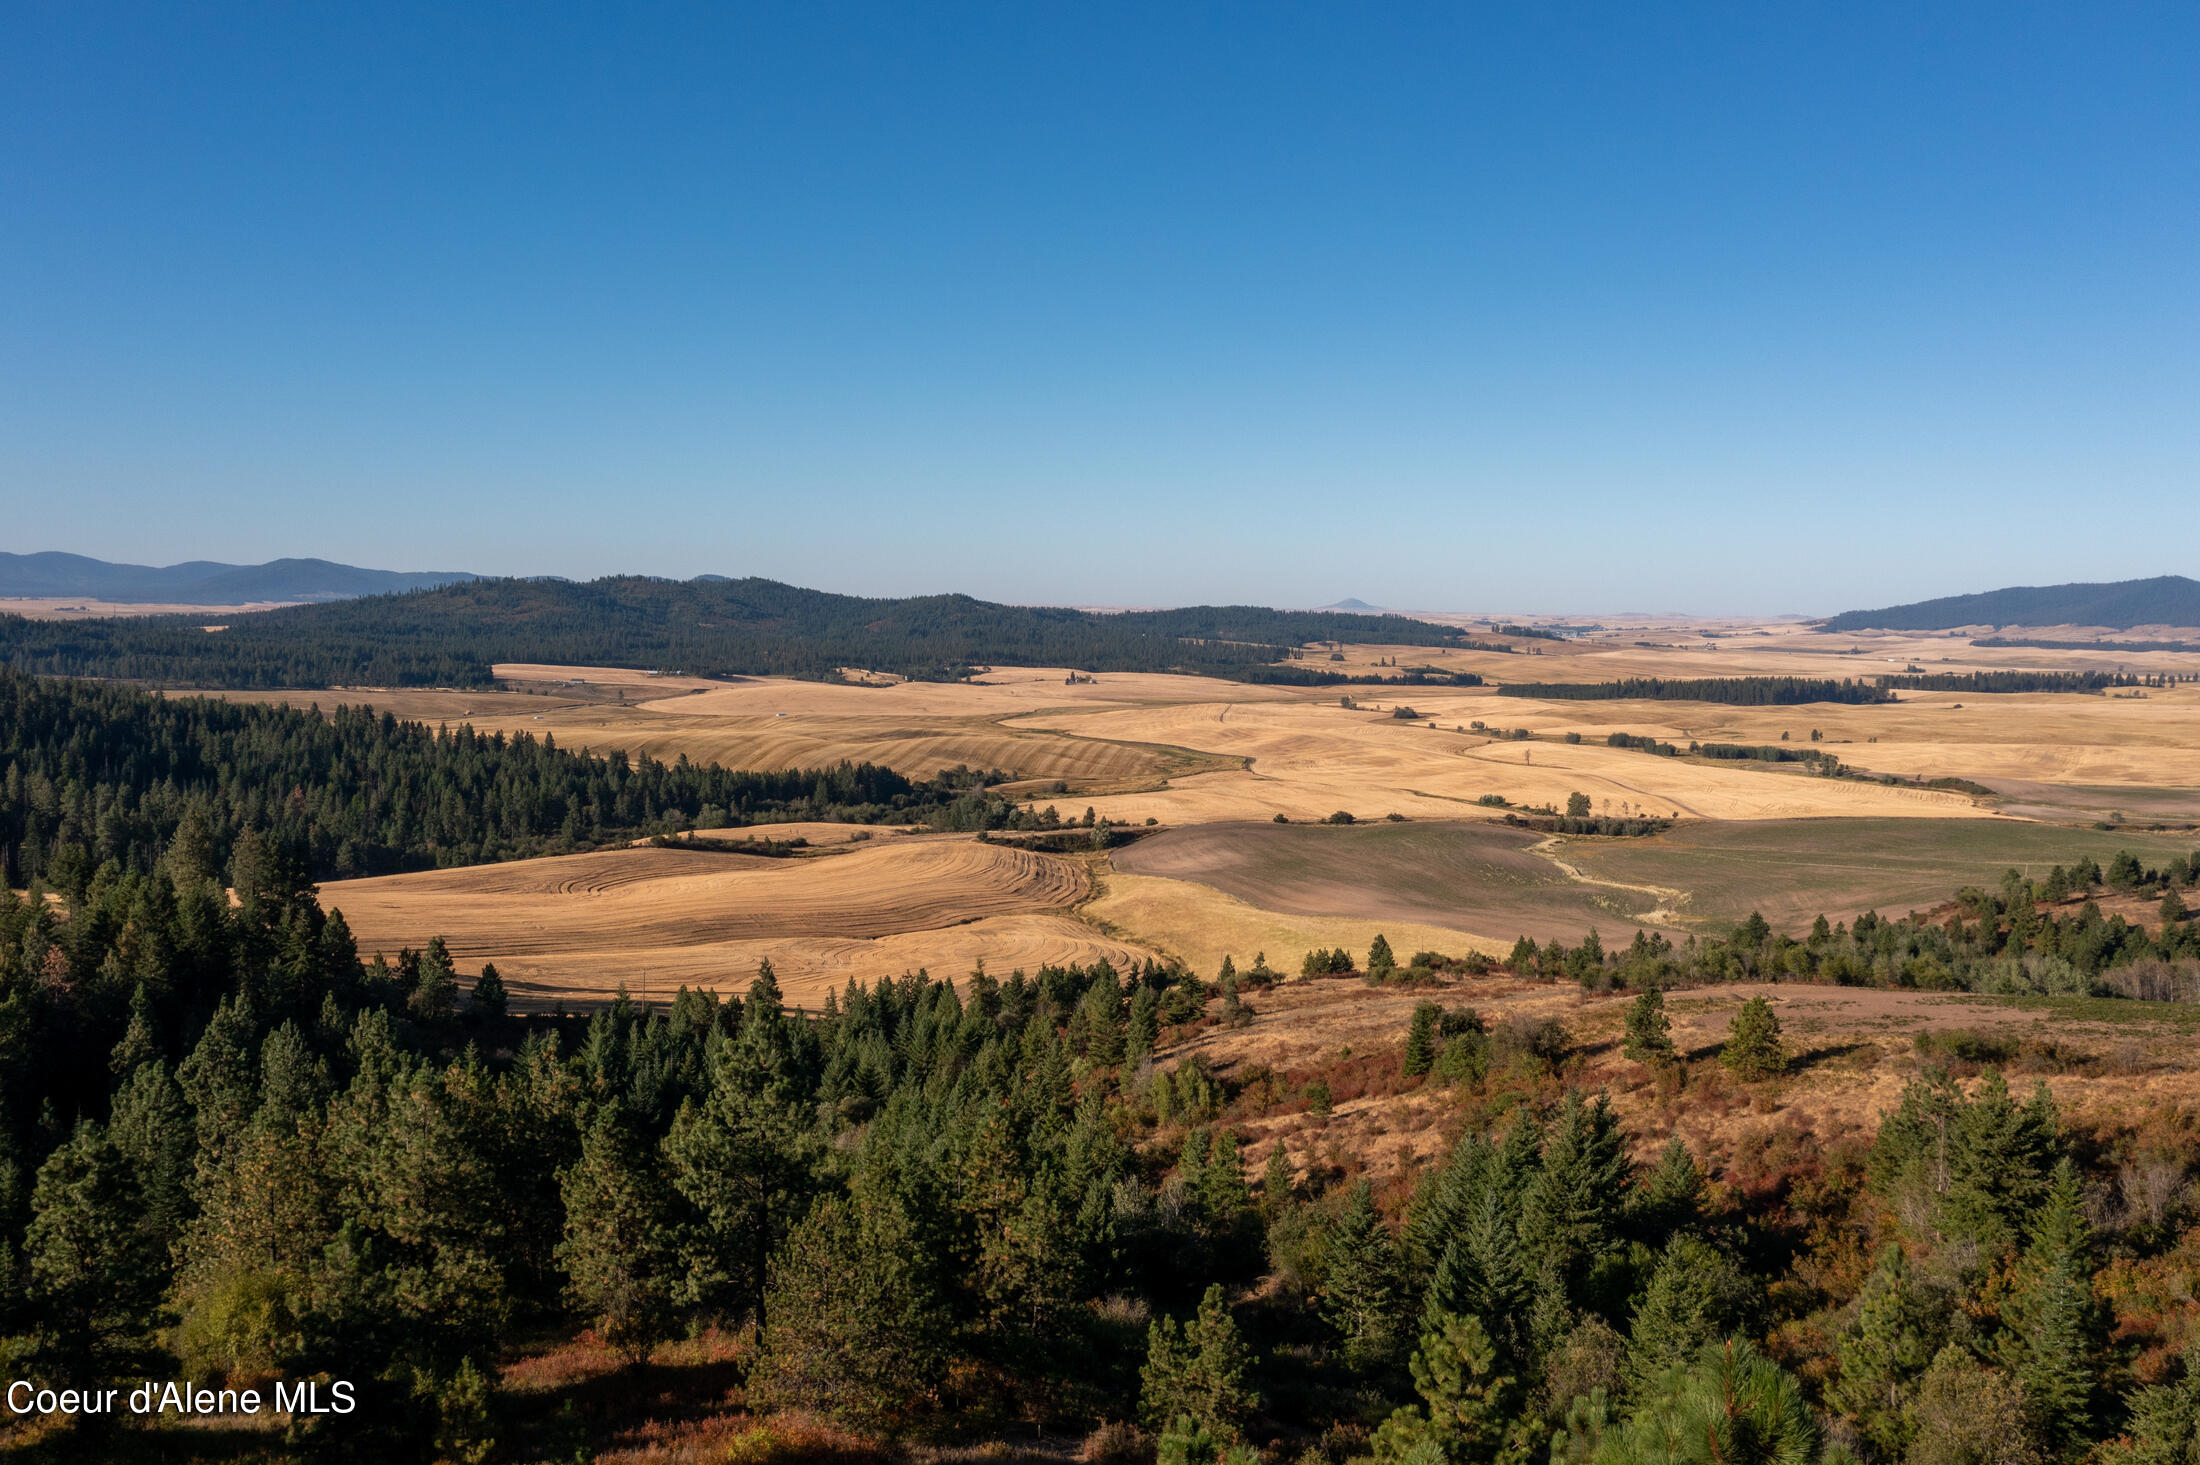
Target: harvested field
(915, 728)
(1469, 876)
(1690, 646)
(2114, 747)
(78, 608)
(1199, 925)
(1792, 871)
(577, 927)
(1190, 750)
(1309, 759)
(1504, 882)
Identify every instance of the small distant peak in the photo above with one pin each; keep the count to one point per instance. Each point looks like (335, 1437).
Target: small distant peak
(1353, 603)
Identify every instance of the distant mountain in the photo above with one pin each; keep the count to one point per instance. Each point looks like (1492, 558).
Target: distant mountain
(204, 582)
(1354, 605)
(2165, 600)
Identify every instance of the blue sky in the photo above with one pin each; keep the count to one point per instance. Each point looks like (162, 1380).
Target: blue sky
(1757, 308)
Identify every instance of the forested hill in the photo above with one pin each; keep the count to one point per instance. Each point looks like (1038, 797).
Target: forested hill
(452, 635)
(105, 773)
(206, 582)
(2165, 600)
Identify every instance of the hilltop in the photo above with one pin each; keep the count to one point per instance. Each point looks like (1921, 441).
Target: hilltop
(2165, 600)
(453, 634)
(205, 582)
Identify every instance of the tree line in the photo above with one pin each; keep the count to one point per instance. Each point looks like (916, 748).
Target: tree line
(99, 772)
(2045, 645)
(452, 635)
(1730, 691)
(2025, 681)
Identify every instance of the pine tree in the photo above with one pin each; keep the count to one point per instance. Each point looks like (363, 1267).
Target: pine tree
(293, 1083)
(1465, 1401)
(1381, 962)
(1649, 1030)
(94, 1279)
(1444, 1202)
(1580, 1191)
(1884, 1356)
(1689, 1305)
(2053, 1324)
(1753, 1049)
(151, 1128)
(1732, 1406)
(1142, 1028)
(1196, 1372)
(139, 1045)
(1102, 1010)
(2001, 1161)
(619, 1248)
(1481, 1274)
(423, 1267)
(1672, 1194)
(1421, 1039)
(219, 1078)
(2165, 1419)
(740, 1158)
(1223, 1195)
(856, 1331)
(1359, 1292)
(1278, 1182)
(488, 1000)
(437, 992)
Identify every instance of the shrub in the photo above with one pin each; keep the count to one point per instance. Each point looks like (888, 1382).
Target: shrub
(1540, 1041)
(1967, 1045)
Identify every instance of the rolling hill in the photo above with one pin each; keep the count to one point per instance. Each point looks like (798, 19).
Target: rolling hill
(205, 582)
(450, 636)
(2165, 600)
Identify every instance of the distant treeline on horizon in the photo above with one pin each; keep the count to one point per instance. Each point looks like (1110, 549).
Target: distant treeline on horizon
(1728, 691)
(453, 635)
(1796, 691)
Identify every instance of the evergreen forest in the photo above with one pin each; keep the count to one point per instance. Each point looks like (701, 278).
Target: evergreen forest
(450, 636)
(232, 1150)
(98, 772)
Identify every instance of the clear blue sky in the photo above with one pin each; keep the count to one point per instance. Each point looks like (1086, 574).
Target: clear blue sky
(1769, 307)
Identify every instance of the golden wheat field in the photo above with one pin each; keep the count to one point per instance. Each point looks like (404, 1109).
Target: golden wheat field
(916, 728)
(1199, 925)
(578, 927)
(1308, 759)
(1192, 750)
(1689, 647)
